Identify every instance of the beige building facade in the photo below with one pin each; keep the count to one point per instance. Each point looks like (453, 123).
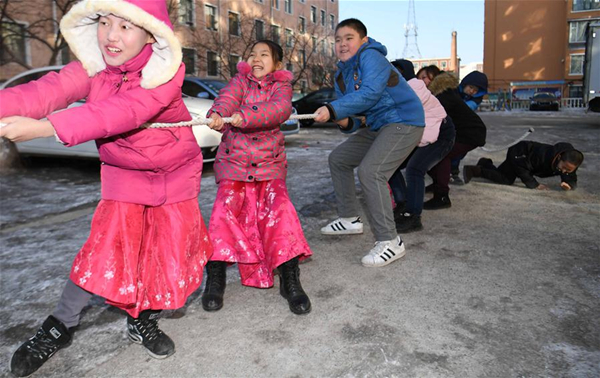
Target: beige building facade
(538, 45)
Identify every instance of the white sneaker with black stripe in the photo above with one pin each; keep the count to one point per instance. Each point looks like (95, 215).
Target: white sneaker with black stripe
(344, 226)
(384, 252)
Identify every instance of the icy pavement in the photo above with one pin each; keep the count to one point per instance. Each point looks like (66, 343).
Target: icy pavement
(505, 283)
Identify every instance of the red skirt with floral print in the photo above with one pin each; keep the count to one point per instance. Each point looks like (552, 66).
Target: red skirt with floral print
(141, 257)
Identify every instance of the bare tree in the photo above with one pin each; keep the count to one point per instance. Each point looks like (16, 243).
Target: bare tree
(303, 52)
(20, 21)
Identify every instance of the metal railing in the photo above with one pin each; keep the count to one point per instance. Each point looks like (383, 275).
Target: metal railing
(492, 105)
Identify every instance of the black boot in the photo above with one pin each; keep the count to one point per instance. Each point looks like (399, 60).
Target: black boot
(399, 210)
(212, 298)
(291, 289)
(470, 171)
(439, 201)
(408, 223)
(144, 330)
(52, 336)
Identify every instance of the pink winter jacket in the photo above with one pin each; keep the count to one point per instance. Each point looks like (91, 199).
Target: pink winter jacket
(255, 151)
(144, 166)
(434, 112)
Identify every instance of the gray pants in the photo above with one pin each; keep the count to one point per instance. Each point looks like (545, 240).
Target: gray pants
(72, 301)
(377, 154)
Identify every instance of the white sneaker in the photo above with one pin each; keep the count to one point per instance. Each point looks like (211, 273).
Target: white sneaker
(384, 252)
(343, 226)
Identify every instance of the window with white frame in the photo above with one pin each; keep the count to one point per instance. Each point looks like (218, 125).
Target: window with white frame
(322, 17)
(275, 4)
(314, 43)
(189, 59)
(289, 38)
(287, 5)
(210, 17)
(14, 43)
(234, 23)
(576, 67)
(323, 47)
(276, 34)
(332, 48)
(185, 12)
(301, 25)
(313, 14)
(233, 62)
(444, 64)
(212, 63)
(259, 27)
(577, 31)
(332, 21)
(585, 5)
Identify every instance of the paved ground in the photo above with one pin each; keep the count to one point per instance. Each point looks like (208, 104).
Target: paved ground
(506, 283)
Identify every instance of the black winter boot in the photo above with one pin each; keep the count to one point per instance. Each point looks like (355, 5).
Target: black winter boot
(439, 201)
(408, 223)
(470, 171)
(52, 336)
(291, 289)
(399, 210)
(212, 298)
(144, 330)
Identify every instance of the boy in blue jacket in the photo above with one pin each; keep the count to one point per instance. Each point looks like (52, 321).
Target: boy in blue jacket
(368, 87)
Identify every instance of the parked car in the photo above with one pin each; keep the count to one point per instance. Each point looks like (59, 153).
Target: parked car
(313, 101)
(544, 101)
(209, 88)
(208, 139)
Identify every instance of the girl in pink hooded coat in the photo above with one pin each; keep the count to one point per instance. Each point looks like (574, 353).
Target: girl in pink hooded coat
(148, 244)
(253, 222)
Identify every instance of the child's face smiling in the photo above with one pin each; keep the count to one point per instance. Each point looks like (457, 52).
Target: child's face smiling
(120, 40)
(347, 43)
(261, 61)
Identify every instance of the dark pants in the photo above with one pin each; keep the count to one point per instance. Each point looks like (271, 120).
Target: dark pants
(417, 164)
(441, 172)
(504, 174)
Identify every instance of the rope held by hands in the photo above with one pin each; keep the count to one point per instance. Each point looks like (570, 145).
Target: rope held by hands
(506, 147)
(196, 121)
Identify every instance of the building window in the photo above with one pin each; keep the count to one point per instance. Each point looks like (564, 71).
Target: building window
(313, 14)
(303, 86)
(332, 21)
(301, 25)
(14, 47)
(576, 91)
(189, 59)
(276, 34)
(444, 64)
(576, 67)
(322, 17)
(233, 62)
(210, 14)
(185, 12)
(275, 4)
(584, 5)
(314, 43)
(289, 38)
(302, 58)
(234, 23)
(212, 64)
(259, 1)
(289, 66)
(303, 1)
(288, 6)
(577, 31)
(260, 29)
(332, 48)
(323, 47)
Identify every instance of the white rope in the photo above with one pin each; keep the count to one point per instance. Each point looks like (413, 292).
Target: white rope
(502, 148)
(196, 121)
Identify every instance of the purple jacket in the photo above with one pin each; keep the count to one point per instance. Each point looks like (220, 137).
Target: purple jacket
(255, 151)
(144, 166)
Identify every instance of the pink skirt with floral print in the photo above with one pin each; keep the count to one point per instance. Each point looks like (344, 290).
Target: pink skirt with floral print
(140, 257)
(255, 225)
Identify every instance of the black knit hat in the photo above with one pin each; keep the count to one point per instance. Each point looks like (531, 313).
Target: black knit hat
(406, 68)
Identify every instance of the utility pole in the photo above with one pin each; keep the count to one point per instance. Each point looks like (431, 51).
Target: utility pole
(411, 48)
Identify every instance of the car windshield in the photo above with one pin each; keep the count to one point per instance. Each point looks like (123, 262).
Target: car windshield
(215, 85)
(540, 96)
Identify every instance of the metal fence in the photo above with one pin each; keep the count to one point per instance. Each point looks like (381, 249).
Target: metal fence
(493, 105)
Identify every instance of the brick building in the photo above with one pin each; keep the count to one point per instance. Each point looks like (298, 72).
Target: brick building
(537, 45)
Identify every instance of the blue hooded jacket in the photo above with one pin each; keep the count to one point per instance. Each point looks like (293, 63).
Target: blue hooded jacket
(375, 89)
(479, 80)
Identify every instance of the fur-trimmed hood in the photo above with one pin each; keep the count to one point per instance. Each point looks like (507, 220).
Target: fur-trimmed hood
(280, 75)
(80, 25)
(443, 82)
